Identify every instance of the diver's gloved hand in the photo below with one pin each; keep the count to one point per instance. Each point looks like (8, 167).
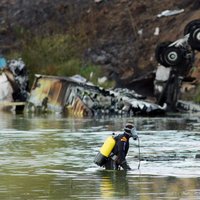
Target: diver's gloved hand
(134, 133)
(125, 166)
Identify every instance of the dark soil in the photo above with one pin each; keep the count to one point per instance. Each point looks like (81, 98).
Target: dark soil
(120, 33)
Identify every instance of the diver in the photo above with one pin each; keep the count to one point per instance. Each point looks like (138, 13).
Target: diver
(113, 153)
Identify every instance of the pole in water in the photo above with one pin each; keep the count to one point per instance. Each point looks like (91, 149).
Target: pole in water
(139, 152)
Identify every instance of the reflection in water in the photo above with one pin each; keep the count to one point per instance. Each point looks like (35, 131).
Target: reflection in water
(51, 157)
(120, 185)
(113, 184)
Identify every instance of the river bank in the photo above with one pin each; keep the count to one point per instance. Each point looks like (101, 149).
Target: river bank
(118, 36)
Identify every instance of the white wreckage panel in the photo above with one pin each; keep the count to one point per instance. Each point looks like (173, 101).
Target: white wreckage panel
(5, 89)
(13, 85)
(6, 92)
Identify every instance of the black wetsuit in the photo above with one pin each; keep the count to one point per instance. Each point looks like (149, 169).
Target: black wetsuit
(117, 158)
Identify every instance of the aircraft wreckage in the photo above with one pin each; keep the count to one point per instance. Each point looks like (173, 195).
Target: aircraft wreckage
(76, 96)
(71, 95)
(13, 85)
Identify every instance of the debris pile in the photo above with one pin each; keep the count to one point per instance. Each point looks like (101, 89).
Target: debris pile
(13, 83)
(74, 96)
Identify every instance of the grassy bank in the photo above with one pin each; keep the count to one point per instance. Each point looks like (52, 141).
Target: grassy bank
(58, 55)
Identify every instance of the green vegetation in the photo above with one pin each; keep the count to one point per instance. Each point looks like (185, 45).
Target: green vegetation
(58, 55)
(196, 96)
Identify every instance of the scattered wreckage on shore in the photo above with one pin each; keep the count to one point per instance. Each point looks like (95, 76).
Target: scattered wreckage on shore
(69, 95)
(13, 85)
(76, 96)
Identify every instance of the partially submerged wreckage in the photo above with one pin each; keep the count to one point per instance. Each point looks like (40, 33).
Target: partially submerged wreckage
(13, 85)
(76, 96)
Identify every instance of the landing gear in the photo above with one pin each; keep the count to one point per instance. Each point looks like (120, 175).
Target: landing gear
(160, 49)
(179, 57)
(172, 56)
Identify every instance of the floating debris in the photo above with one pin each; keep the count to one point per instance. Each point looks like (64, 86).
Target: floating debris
(163, 158)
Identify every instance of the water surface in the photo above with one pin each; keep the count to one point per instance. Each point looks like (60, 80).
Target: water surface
(51, 157)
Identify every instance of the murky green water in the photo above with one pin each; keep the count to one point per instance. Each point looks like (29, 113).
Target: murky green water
(51, 157)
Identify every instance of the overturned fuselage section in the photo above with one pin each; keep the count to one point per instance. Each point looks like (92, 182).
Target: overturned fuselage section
(76, 96)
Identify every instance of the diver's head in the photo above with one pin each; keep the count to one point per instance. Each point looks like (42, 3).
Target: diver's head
(130, 130)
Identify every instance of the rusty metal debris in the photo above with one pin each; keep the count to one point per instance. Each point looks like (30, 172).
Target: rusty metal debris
(79, 98)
